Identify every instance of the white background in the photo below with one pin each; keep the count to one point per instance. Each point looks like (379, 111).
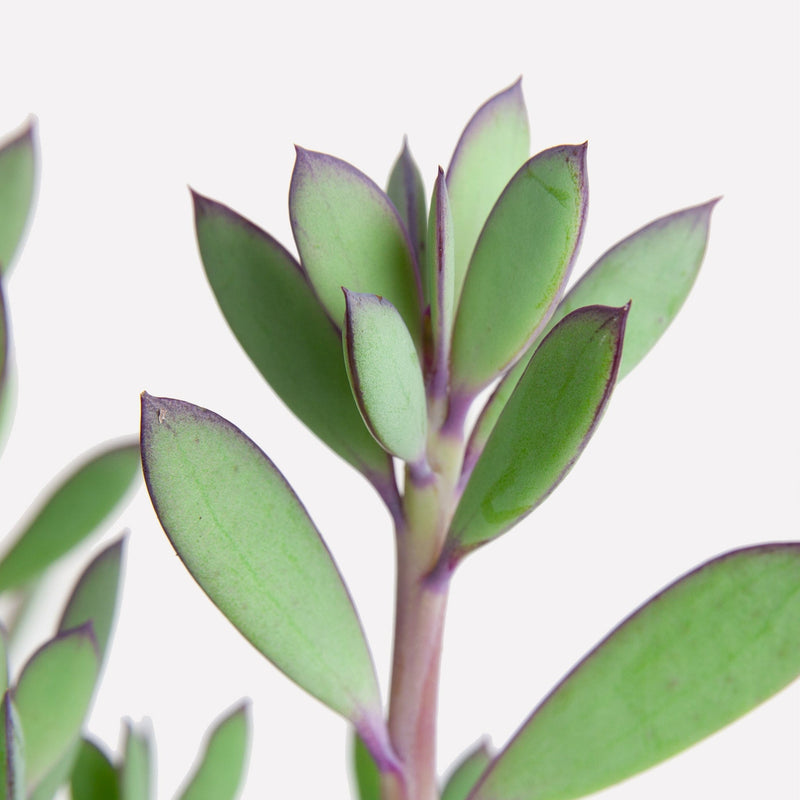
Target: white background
(697, 454)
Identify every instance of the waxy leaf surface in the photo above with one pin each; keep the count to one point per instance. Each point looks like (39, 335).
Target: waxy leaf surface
(519, 267)
(93, 777)
(406, 191)
(491, 149)
(218, 775)
(366, 772)
(94, 598)
(58, 775)
(273, 312)
(544, 426)
(385, 375)
(701, 653)
(441, 280)
(71, 513)
(348, 233)
(655, 268)
(52, 697)
(247, 540)
(17, 181)
(466, 773)
(138, 766)
(12, 751)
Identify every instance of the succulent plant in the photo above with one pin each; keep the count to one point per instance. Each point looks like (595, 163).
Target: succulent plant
(445, 337)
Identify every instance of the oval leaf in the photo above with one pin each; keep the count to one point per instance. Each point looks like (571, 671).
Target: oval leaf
(138, 766)
(519, 267)
(219, 772)
(385, 375)
(348, 233)
(491, 149)
(52, 696)
(12, 751)
(466, 773)
(94, 777)
(71, 513)
(655, 267)
(544, 426)
(17, 181)
(701, 653)
(273, 312)
(406, 191)
(94, 598)
(247, 540)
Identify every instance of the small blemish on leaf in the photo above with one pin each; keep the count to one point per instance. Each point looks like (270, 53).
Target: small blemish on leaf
(162, 415)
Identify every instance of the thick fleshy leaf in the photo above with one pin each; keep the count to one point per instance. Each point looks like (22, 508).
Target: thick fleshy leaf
(52, 697)
(58, 775)
(365, 770)
(136, 773)
(385, 375)
(520, 266)
(466, 773)
(348, 233)
(491, 149)
(282, 327)
(94, 777)
(12, 751)
(544, 426)
(17, 181)
(247, 540)
(94, 598)
(406, 191)
(441, 282)
(219, 772)
(701, 653)
(72, 512)
(655, 267)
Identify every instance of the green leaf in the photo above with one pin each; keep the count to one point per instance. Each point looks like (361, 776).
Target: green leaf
(655, 267)
(247, 540)
(12, 751)
(699, 654)
(4, 676)
(385, 375)
(349, 233)
(272, 310)
(519, 267)
(94, 598)
(17, 181)
(58, 775)
(365, 770)
(219, 771)
(52, 696)
(441, 282)
(491, 149)
(94, 777)
(72, 512)
(466, 773)
(407, 192)
(137, 768)
(544, 426)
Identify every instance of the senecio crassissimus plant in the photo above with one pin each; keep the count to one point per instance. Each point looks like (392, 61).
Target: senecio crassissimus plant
(43, 709)
(381, 337)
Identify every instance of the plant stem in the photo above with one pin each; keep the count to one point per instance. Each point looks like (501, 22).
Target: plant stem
(419, 623)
